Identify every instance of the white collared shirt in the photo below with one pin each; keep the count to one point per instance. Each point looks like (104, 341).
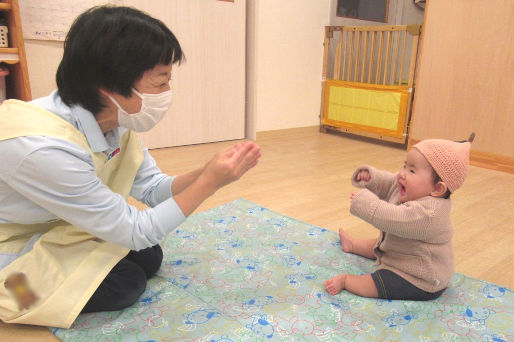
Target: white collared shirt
(44, 178)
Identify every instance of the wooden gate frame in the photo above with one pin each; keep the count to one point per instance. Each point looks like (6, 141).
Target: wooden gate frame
(355, 67)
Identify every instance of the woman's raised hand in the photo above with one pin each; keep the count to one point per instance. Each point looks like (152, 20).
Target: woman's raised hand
(230, 164)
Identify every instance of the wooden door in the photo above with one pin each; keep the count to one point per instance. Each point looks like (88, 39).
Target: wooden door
(465, 78)
(209, 87)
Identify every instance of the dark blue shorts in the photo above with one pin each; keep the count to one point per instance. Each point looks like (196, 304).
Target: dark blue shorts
(392, 286)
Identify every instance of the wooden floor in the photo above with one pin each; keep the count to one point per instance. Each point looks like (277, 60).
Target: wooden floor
(305, 174)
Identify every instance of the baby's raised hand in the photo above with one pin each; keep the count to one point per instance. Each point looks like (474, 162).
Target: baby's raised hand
(363, 176)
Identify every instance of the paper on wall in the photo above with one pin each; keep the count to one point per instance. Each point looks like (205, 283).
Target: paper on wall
(51, 19)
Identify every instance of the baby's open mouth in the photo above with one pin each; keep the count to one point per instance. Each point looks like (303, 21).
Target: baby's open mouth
(402, 189)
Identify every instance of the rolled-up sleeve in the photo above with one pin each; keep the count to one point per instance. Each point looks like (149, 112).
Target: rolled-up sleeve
(151, 186)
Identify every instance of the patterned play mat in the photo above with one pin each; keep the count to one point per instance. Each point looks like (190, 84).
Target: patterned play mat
(240, 272)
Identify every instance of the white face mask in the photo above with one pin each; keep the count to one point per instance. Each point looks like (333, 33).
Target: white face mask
(153, 108)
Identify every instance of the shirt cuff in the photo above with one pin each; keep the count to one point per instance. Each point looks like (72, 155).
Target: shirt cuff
(169, 215)
(163, 191)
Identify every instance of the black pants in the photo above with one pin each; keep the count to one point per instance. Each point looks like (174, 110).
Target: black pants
(126, 282)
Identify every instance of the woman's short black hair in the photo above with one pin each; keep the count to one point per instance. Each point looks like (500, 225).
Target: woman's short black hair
(111, 47)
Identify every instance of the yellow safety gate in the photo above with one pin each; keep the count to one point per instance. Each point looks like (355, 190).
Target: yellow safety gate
(370, 91)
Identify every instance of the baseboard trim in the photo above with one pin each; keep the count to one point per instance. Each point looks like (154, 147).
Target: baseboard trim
(484, 159)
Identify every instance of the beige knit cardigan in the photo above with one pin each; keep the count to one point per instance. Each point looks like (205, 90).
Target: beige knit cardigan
(415, 236)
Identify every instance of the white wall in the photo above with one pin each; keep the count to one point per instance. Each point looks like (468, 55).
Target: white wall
(284, 56)
(284, 61)
(43, 58)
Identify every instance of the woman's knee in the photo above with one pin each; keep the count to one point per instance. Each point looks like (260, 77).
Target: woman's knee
(135, 286)
(149, 259)
(121, 288)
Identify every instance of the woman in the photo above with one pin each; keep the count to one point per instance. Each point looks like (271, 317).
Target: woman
(69, 242)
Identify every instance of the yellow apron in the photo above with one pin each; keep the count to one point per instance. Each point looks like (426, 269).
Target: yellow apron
(66, 265)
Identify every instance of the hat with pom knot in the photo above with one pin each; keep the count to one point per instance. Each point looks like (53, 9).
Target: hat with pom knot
(449, 159)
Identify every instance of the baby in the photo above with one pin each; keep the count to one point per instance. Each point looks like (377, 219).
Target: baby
(411, 209)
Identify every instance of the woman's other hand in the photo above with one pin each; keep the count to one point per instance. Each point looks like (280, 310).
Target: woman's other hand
(225, 167)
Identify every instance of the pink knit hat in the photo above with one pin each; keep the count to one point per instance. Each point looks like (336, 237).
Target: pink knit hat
(449, 159)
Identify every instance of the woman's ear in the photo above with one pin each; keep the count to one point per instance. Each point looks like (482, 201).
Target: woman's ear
(104, 92)
(439, 189)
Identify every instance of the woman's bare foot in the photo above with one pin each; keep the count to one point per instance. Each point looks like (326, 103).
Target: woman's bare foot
(346, 241)
(336, 284)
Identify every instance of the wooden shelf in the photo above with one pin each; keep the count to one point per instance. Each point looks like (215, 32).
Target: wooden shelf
(17, 82)
(8, 50)
(9, 55)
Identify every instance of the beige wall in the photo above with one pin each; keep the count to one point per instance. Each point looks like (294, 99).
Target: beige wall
(466, 72)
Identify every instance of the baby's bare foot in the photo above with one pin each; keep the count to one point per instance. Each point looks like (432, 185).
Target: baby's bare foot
(336, 284)
(346, 241)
